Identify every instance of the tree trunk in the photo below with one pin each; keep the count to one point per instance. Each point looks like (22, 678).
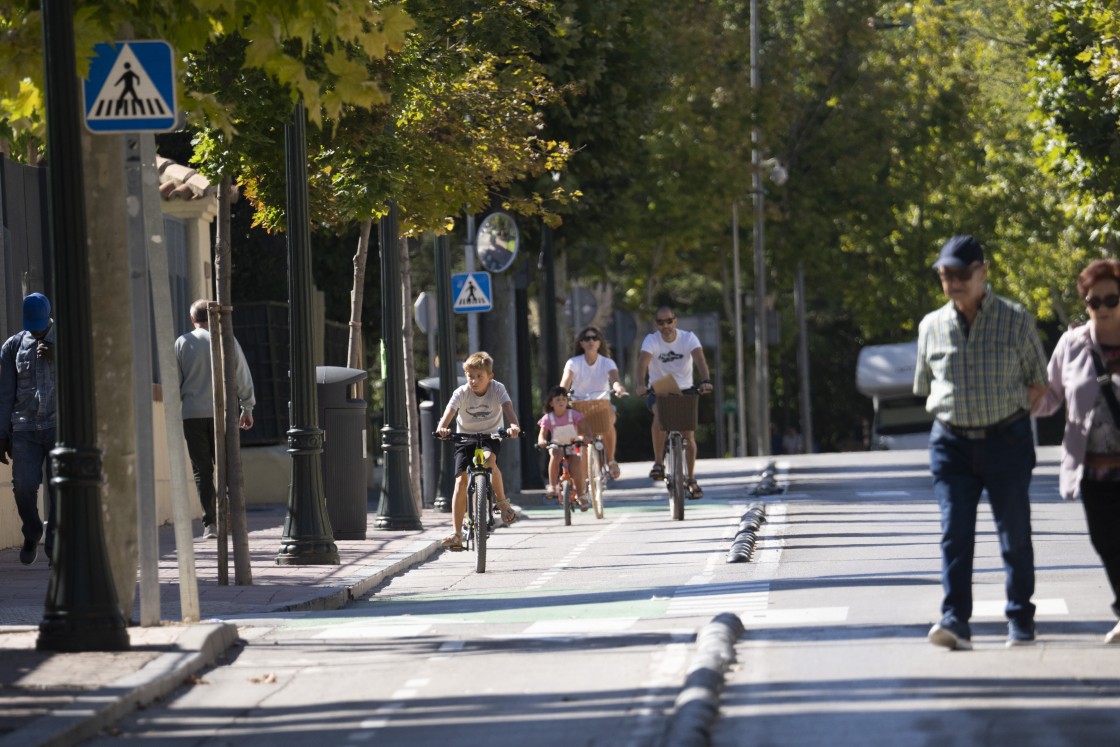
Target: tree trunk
(354, 356)
(221, 463)
(410, 376)
(239, 528)
(114, 406)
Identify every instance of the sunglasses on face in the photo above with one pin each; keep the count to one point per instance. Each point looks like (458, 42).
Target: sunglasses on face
(589, 338)
(964, 274)
(665, 322)
(1112, 300)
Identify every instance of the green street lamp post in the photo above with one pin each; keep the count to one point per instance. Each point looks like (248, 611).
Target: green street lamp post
(448, 375)
(308, 539)
(397, 508)
(82, 610)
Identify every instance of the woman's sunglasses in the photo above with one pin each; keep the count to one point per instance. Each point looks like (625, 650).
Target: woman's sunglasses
(1112, 300)
(589, 338)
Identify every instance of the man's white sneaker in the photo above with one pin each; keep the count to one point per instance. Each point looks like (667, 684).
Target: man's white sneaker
(952, 634)
(1113, 636)
(209, 531)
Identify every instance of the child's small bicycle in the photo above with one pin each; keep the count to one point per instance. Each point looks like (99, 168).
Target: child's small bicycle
(567, 494)
(480, 495)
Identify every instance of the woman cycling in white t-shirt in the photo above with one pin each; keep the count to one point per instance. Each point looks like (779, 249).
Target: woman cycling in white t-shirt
(591, 374)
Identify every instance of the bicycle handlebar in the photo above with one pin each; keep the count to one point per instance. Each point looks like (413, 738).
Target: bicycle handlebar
(498, 435)
(554, 445)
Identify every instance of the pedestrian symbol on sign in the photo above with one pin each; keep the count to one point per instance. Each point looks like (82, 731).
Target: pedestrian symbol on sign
(471, 292)
(131, 88)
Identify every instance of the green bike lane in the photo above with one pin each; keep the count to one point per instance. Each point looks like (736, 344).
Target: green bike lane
(607, 575)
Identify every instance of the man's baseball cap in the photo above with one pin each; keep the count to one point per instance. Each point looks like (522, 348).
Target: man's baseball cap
(959, 251)
(36, 312)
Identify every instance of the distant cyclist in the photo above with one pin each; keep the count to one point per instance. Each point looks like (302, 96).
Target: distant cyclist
(479, 406)
(671, 352)
(590, 374)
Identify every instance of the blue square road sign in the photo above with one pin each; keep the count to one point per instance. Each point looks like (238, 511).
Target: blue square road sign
(131, 88)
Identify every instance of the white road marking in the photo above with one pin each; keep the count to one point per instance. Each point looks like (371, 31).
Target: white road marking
(577, 627)
(375, 630)
(884, 494)
(574, 554)
(694, 600)
(993, 608)
(803, 616)
(666, 672)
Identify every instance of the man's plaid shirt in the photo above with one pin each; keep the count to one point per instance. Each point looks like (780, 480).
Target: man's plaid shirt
(975, 377)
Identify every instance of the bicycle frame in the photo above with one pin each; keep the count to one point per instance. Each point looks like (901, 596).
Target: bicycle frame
(567, 484)
(675, 460)
(480, 494)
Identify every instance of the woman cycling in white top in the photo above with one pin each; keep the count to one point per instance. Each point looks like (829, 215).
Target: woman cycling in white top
(591, 374)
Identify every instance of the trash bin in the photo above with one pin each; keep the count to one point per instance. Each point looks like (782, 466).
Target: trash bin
(345, 450)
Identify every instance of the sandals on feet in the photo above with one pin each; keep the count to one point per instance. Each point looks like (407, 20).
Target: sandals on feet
(508, 514)
(613, 467)
(694, 490)
(657, 473)
(452, 542)
(550, 492)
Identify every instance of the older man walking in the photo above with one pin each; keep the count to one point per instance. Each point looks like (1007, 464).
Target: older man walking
(980, 367)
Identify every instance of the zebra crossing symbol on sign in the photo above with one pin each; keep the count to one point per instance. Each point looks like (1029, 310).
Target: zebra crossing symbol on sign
(470, 292)
(131, 88)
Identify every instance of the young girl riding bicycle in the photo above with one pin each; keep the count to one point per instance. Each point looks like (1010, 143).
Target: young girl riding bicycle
(560, 424)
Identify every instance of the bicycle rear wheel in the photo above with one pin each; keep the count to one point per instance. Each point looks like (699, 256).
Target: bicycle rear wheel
(676, 477)
(481, 487)
(566, 498)
(595, 479)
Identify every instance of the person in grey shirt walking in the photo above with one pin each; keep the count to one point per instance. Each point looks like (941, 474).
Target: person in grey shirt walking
(192, 351)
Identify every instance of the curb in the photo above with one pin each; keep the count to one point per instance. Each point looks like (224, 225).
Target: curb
(416, 553)
(697, 706)
(199, 646)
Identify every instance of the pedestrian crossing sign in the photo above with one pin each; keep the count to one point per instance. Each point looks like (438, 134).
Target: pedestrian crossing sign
(471, 292)
(131, 88)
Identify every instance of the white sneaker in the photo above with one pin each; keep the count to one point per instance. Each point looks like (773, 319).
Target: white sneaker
(1113, 636)
(209, 531)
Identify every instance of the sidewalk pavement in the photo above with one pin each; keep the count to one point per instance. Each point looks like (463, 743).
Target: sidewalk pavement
(63, 698)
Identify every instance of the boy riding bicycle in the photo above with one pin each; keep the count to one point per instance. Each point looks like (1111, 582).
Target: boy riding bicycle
(479, 406)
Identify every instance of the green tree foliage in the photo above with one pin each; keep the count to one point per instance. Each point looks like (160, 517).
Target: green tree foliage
(317, 50)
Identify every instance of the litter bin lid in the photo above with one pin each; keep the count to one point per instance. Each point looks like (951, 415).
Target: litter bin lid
(340, 375)
(431, 383)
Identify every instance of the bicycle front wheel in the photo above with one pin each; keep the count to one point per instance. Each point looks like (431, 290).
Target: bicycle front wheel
(480, 485)
(676, 477)
(567, 495)
(595, 480)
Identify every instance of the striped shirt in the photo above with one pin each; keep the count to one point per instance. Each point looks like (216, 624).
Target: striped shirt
(977, 376)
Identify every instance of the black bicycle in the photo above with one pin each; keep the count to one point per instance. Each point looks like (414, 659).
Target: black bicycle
(480, 494)
(676, 414)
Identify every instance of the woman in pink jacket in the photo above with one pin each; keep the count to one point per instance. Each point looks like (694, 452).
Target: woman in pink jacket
(1091, 443)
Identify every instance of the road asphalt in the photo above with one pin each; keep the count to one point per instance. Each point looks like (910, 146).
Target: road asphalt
(64, 698)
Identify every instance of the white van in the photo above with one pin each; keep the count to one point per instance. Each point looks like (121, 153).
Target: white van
(885, 373)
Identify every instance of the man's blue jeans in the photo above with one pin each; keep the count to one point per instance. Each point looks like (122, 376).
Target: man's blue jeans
(30, 454)
(962, 469)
